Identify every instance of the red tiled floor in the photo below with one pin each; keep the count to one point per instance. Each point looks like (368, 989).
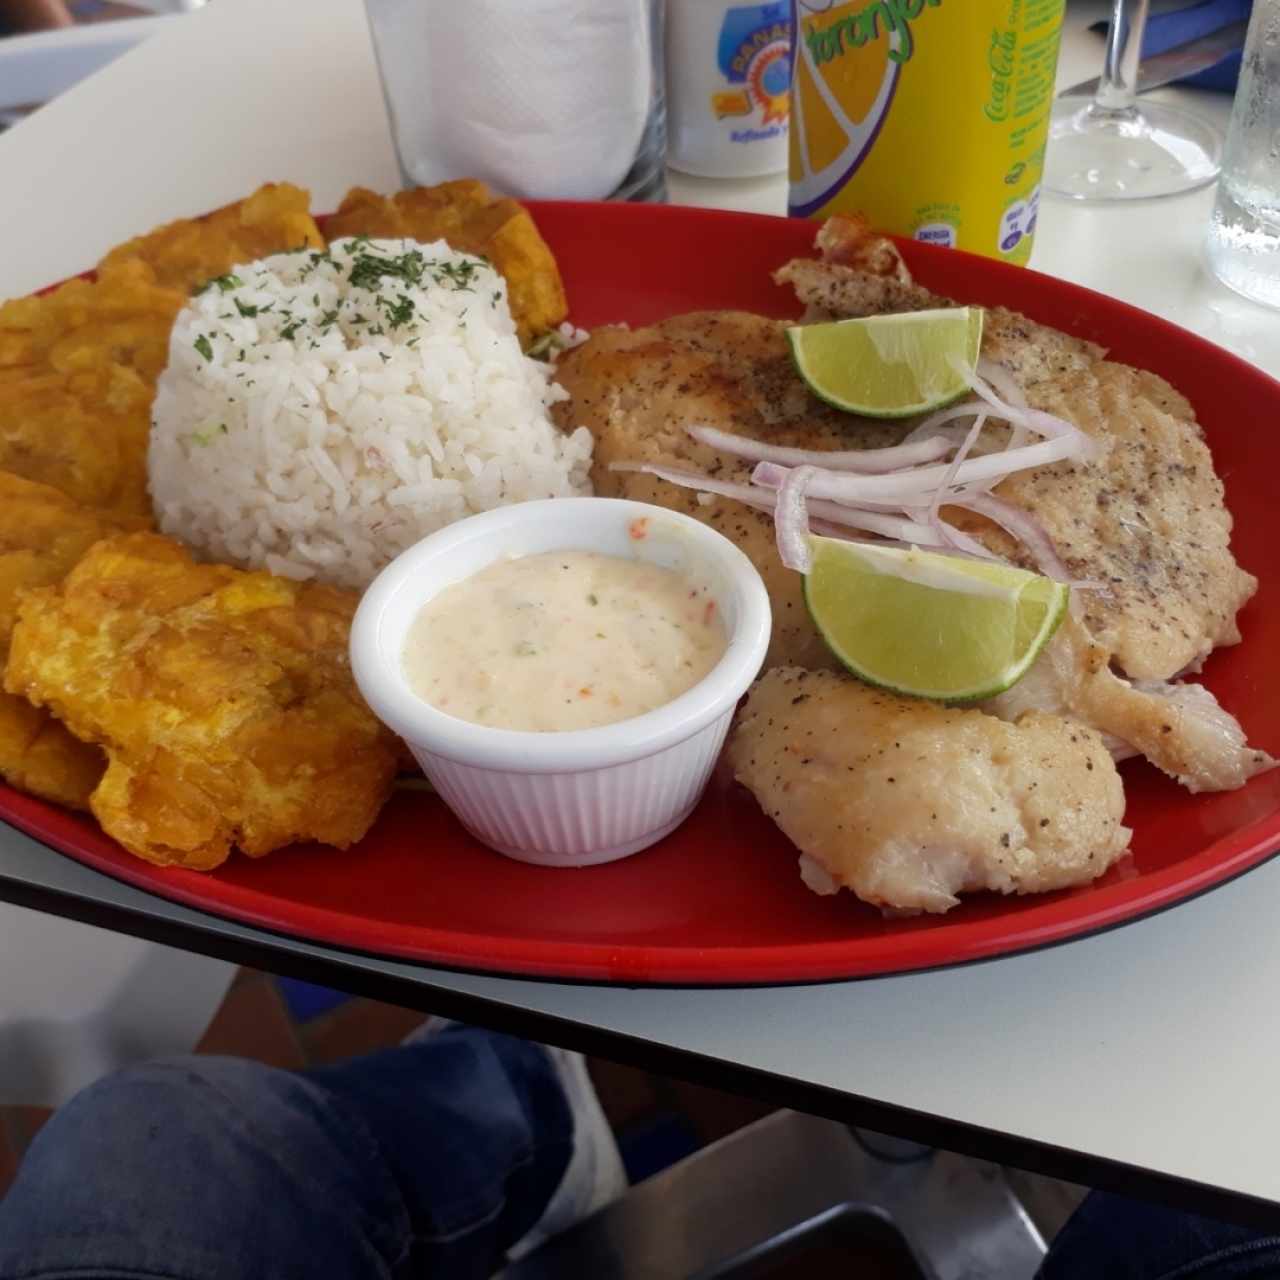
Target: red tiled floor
(8, 1155)
(253, 1023)
(626, 1094)
(714, 1114)
(359, 1026)
(23, 1123)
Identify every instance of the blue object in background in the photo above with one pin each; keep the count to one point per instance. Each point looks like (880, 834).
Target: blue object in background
(305, 1000)
(741, 23)
(1168, 30)
(655, 1144)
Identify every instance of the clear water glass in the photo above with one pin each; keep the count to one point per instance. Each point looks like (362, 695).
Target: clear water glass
(1244, 232)
(542, 99)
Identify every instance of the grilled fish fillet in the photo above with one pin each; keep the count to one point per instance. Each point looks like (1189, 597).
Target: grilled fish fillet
(1177, 725)
(910, 804)
(638, 391)
(1146, 518)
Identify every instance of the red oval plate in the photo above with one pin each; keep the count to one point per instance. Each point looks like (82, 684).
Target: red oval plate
(720, 901)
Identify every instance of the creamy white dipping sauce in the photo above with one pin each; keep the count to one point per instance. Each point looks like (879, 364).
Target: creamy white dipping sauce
(563, 640)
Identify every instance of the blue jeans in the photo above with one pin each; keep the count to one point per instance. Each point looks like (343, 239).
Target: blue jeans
(1114, 1238)
(428, 1160)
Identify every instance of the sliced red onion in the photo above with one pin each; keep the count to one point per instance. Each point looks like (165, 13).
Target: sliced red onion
(769, 474)
(889, 523)
(1022, 526)
(898, 493)
(936, 423)
(958, 543)
(845, 534)
(948, 480)
(843, 487)
(1004, 385)
(1043, 424)
(902, 528)
(1002, 380)
(951, 536)
(869, 461)
(696, 480)
(791, 520)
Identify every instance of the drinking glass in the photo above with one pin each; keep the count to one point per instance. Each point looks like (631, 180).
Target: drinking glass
(545, 99)
(1244, 232)
(1109, 147)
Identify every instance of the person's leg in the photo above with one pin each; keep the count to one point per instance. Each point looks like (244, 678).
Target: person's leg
(1113, 1238)
(440, 1154)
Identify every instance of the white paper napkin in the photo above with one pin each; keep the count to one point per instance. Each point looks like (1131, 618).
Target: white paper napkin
(540, 98)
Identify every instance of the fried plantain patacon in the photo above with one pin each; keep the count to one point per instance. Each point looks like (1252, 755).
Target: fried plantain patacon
(223, 700)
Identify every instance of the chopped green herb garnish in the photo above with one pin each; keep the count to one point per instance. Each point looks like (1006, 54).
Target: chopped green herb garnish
(368, 270)
(316, 259)
(245, 308)
(225, 284)
(204, 347)
(400, 312)
(205, 438)
(458, 274)
(547, 346)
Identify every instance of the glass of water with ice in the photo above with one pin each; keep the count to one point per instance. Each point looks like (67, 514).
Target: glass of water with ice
(1244, 234)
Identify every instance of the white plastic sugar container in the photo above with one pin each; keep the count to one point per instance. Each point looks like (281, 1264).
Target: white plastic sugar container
(728, 87)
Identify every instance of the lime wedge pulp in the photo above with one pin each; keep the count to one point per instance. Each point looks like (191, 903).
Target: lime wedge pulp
(889, 366)
(929, 625)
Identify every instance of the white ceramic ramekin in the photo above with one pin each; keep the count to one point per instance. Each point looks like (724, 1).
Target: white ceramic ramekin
(589, 795)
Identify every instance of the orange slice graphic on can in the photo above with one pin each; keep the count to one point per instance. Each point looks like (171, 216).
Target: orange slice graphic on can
(847, 61)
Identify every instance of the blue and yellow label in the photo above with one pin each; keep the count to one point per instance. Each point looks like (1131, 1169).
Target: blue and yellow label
(754, 52)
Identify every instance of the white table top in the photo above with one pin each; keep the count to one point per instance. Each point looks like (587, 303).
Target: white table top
(1151, 1045)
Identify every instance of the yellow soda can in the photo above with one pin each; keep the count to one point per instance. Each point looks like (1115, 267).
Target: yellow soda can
(928, 116)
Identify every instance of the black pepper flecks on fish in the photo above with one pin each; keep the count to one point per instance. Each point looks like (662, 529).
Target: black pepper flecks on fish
(910, 804)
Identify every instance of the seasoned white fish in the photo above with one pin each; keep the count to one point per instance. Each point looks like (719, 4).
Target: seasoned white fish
(910, 804)
(1178, 725)
(638, 391)
(969, 790)
(1146, 517)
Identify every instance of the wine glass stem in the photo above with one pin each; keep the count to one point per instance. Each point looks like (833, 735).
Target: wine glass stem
(1118, 91)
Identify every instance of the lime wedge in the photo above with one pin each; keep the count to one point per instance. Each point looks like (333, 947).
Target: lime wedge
(929, 625)
(889, 366)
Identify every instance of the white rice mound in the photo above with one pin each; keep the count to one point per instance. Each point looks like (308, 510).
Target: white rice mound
(317, 427)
